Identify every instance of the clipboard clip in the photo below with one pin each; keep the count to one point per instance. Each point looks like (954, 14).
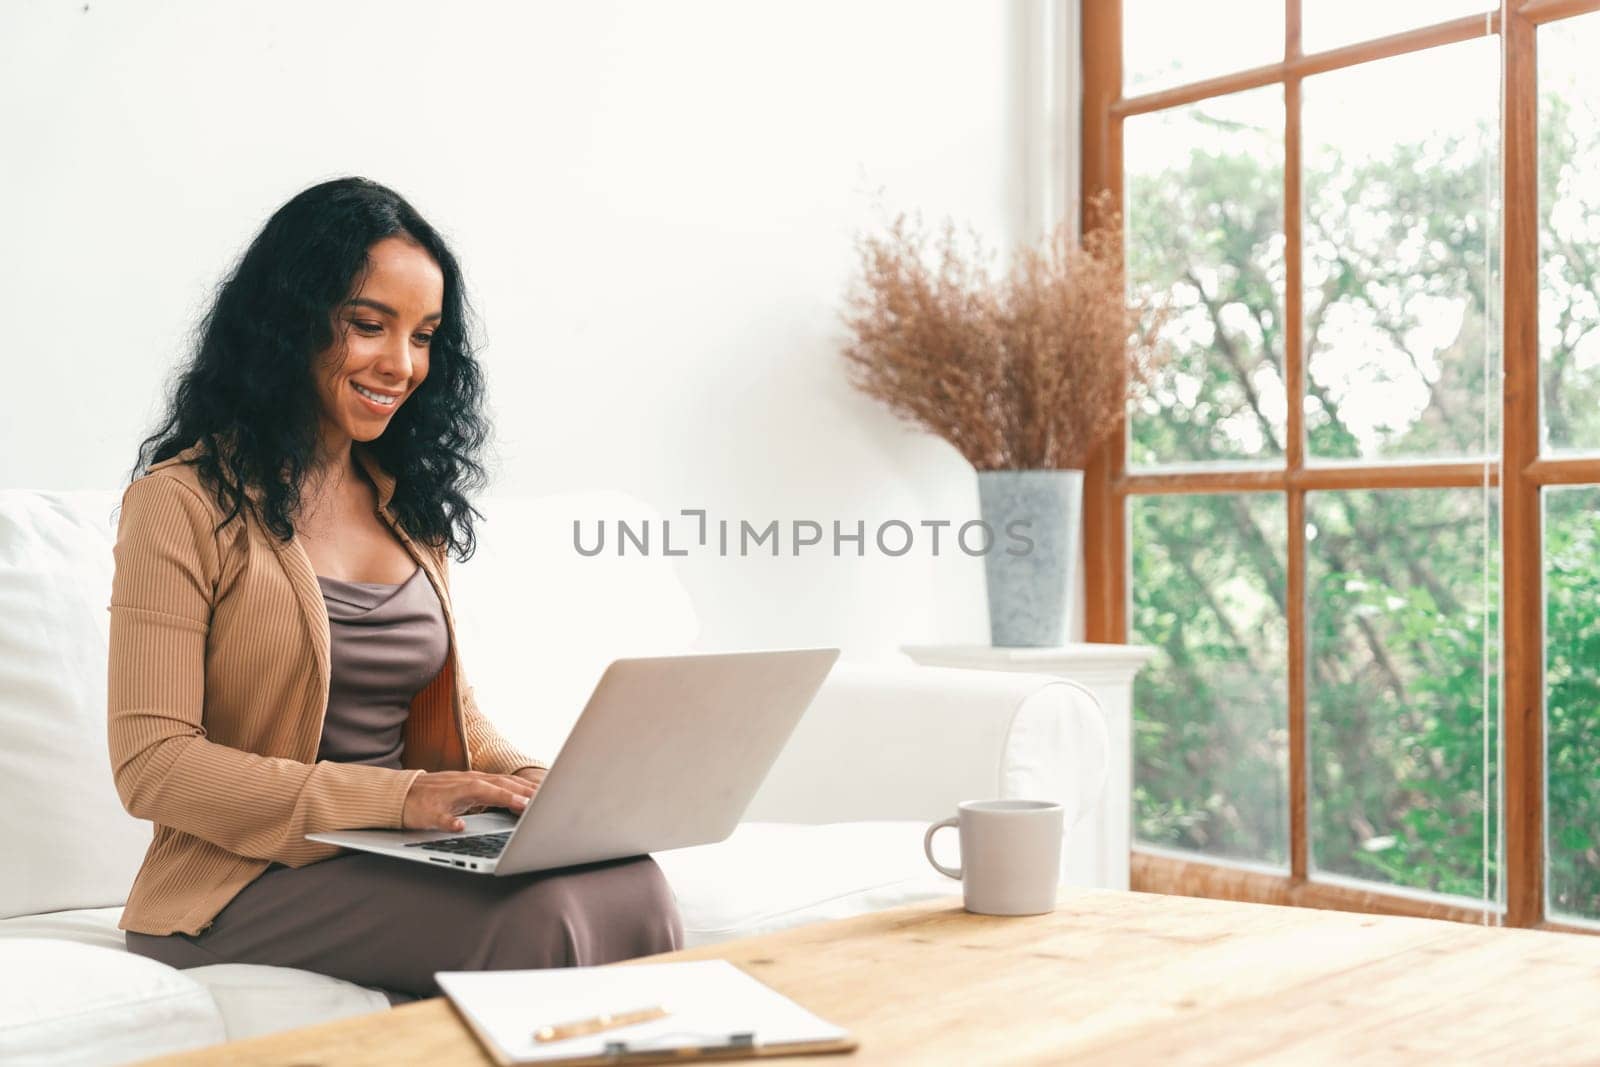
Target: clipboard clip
(622, 1051)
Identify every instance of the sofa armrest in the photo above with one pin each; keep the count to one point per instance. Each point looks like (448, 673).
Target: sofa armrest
(890, 741)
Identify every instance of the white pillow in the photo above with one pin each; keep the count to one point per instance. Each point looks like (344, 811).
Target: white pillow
(66, 1003)
(69, 842)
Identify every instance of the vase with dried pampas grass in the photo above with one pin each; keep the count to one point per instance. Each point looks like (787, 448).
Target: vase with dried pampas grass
(1025, 375)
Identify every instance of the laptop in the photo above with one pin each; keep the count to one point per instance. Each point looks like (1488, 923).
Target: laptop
(669, 752)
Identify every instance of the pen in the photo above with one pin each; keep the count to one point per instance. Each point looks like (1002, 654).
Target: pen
(608, 1021)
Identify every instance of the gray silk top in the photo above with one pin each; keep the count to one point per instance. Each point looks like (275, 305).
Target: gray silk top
(386, 642)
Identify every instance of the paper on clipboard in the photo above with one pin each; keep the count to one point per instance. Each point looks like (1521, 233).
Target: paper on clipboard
(708, 1001)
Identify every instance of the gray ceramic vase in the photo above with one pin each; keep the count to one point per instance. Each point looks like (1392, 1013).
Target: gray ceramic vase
(1035, 517)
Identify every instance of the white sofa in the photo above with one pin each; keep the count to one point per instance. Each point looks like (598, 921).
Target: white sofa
(835, 830)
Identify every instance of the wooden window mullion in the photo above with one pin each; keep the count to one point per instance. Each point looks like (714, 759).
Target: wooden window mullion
(1294, 456)
(1104, 522)
(1540, 11)
(1465, 28)
(1521, 559)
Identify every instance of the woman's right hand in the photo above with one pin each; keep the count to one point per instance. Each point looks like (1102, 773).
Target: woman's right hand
(435, 800)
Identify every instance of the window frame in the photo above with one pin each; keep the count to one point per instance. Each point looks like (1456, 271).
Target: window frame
(1520, 472)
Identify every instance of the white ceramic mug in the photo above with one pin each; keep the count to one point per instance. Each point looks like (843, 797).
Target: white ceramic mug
(1010, 855)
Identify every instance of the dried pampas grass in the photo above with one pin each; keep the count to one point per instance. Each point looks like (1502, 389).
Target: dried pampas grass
(1028, 373)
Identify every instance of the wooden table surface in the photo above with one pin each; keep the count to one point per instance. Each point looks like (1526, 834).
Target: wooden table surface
(1110, 978)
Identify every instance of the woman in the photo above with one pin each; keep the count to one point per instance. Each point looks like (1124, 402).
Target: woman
(283, 657)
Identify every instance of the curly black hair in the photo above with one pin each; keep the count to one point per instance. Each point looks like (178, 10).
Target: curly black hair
(248, 390)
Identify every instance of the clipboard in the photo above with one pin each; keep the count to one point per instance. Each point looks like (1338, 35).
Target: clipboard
(715, 1012)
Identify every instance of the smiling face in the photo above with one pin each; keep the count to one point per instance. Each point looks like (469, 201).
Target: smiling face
(382, 334)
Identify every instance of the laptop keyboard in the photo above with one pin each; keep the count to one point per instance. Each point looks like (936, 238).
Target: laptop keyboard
(485, 845)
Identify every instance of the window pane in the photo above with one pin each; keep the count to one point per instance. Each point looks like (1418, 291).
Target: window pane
(1572, 699)
(1396, 704)
(1400, 202)
(1210, 718)
(1205, 229)
(1569, 213)
(1159, 41)
(1326, 24)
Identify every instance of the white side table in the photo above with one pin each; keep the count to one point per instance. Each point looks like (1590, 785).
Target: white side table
(1096, 844)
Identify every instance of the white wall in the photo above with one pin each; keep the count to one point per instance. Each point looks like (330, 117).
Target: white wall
(655, 204)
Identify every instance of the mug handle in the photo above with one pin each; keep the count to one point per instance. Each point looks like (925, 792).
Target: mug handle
(927, 846)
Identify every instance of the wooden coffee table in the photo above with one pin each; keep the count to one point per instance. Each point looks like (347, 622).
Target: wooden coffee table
(1112, 978)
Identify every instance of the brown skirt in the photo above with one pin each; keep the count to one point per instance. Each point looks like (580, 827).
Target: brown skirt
(390, 924)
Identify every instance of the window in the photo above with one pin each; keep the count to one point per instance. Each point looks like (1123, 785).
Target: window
(1359, 515)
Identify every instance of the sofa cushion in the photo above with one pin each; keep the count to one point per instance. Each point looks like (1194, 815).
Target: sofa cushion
(86, 926)
(255, 999)
(251, 999)
(62, 1002)
(764, 877)
(70, 844)
(771, 876)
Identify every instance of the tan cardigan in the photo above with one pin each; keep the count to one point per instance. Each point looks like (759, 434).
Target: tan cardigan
(216, 689)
